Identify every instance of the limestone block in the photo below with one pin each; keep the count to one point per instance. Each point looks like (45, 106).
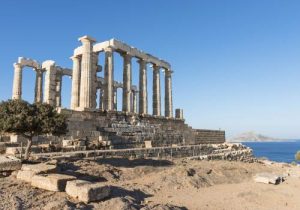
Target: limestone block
(39, 168)
(66, 143)
(267, 178)
(9, 163)
(51, 182)
(17, 139)
(12, 150)
(25, 175)
(148, 144)
(86, 191)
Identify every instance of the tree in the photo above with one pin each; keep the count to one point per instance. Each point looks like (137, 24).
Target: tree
(29, 120)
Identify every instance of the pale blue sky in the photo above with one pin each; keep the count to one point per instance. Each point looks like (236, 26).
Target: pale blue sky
(236, 63)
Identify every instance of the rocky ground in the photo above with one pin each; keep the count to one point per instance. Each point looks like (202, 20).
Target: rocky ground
(162, 184)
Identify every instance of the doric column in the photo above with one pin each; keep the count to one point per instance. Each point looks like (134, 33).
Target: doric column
(134, 101)
(75, 82)
(127, 80)
(58, 90)
(109, 80)
(50, 82)
(94, 76)
(17, 83)
(168, 94)
(87, 76)
(101, 99)
(156, 91)
(143, 102)
(38, 93)
(115, 99)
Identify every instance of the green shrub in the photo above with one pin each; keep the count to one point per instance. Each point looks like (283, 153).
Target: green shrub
(297, 156)
(293, 163)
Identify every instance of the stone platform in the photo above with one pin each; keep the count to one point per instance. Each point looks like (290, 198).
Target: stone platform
(129, 130)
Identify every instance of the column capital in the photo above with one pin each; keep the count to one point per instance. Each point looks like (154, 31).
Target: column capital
(109, 49)
(168, 72)
(75, 57)
(141, 61)
(17, 65)
(155, 67)
(86, 38)
(39, 71)
(126, 55)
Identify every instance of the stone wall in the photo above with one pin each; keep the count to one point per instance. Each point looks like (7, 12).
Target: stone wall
(209, 136)
(128, 130)
(201, 152)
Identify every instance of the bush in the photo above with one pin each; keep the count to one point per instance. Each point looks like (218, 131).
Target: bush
(293, 163)
(297, 156)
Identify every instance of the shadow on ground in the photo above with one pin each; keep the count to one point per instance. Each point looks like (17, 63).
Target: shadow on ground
(127, 163)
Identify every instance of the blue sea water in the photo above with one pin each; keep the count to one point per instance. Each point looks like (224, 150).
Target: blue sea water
(283, 151)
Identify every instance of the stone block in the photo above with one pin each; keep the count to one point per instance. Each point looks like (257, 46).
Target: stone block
(17, 139)
(86, 191)
(268, 178)
(39, 168)
(9, 163)
(148, 144)
(25, 175)
(12, 150)
(51, 182)
(66, 143)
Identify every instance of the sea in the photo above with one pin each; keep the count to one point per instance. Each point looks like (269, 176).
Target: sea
(279, 151)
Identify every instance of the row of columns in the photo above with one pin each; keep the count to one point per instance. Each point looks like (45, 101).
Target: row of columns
(83, 78)
(132, 101)
(17, 83)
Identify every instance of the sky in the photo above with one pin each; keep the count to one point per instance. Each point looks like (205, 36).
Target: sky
(236, 63)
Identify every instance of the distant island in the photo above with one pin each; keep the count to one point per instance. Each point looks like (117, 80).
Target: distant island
(253, 137)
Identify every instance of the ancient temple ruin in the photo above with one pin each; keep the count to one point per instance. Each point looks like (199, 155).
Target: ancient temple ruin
(97, 119)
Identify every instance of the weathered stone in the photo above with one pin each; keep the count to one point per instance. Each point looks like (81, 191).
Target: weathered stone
(9, 163)
(148, 144)
(268, 178)
(86, 191)
(17, 139)
(39, 168)
(51, 182)
(25, 175)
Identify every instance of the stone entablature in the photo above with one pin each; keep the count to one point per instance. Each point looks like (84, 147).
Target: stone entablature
(122, 47)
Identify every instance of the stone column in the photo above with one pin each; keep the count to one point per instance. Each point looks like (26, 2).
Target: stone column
(38, 93)
(134, 101)
(58, 90)
(168, 94)
(101, 99)
(94, 76)
(75, 82)
(109, 80)
(50, 82)
(127, 80)
(17, 83)
(87, 76)
(143, 101)
(156, 91)
(115, 99)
